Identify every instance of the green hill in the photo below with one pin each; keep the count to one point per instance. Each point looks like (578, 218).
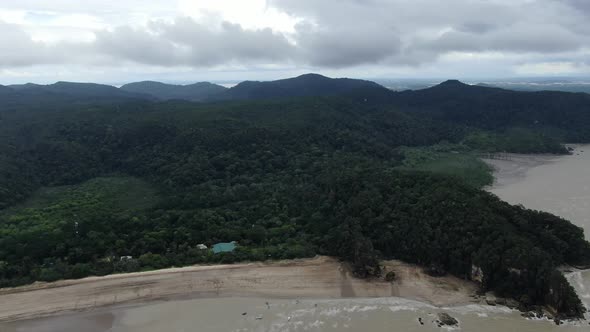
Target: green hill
(563, 115)
(304, 85)
(82, 90)
(191, 92)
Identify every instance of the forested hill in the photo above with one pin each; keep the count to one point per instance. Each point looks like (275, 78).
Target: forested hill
(561, 114)
(81, 90)
(61, 95)
(545, 115)
(192, 92)
(83, 185)
(304, 85)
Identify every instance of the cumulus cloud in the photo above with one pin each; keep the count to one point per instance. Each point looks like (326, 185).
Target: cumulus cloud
(17, 48)
(185, 42)
(400, 33)
(342, 46)
(332, 34)
(582, 5)
(515, 38)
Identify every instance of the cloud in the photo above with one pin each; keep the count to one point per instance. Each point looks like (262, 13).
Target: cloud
(185, 42)
(516, 38)
(18, 49)
(316, 35)
(344, 46)
(552, 68)
(396, 32)
(581, 5)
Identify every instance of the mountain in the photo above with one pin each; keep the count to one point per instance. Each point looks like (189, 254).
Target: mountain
(76, 90)
(445, 91)
(562, 114)
(84, 90)
(4, 90)
(192, 92)
(304, 85)
(47, 97)
(24, 87)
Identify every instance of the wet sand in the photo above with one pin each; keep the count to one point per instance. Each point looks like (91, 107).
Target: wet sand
(320, 277)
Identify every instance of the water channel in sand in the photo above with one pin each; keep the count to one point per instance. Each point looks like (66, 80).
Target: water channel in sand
(560, 185)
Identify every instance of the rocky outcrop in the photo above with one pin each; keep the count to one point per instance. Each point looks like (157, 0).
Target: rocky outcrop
(446, 320)
(512, 303)
(491, 299)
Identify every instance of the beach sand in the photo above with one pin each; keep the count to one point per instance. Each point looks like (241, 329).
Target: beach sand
(316, 278)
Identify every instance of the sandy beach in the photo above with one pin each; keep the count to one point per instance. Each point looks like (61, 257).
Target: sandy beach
(320, 277)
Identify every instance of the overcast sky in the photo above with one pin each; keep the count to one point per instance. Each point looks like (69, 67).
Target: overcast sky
(117, 41)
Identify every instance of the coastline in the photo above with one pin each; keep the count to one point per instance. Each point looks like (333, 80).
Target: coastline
(316, 278)
(319, 278)
(514, 167)
(557, 184)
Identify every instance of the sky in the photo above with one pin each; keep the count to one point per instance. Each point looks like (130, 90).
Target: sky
(119, 41)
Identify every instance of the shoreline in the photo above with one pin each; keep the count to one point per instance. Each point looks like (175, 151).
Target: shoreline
(315, 278)
(515, 166)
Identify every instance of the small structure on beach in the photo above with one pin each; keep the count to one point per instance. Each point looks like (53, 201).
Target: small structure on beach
(224, 247)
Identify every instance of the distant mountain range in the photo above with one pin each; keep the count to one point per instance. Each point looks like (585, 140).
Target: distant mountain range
(452, 101)
(304, 85)
(301, 86)
(548, 85)
(193, 92)
(71, 89)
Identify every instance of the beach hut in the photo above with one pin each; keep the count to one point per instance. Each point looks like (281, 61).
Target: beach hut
(224, 247)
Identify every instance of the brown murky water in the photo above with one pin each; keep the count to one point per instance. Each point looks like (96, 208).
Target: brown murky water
(252, 314)
(560, 185)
